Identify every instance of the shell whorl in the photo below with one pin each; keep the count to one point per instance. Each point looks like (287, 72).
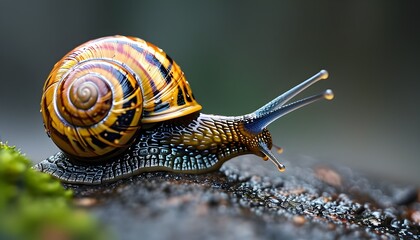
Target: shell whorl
(93, 110)
(97, 96)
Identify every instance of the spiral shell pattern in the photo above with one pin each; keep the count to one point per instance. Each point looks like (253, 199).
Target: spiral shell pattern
(97, 97)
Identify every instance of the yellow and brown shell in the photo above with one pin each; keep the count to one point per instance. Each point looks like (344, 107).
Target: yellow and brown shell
(98, 95)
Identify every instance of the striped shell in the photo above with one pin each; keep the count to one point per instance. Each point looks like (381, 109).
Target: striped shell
(97, 97)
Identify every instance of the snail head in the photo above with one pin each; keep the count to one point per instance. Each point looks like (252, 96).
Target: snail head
(256, 123)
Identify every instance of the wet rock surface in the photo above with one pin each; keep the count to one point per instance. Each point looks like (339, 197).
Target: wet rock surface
(248, 199)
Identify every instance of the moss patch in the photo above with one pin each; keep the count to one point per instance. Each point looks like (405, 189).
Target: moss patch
(33, 205)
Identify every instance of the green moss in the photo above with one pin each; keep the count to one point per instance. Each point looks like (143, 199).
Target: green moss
(33, 205)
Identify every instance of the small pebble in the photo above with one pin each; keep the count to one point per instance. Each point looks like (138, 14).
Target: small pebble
(415, 216)
(328, 175)
(85, 202)
(375, 222)
(299, 220)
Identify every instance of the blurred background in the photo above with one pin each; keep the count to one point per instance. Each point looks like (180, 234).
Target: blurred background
(237, 55)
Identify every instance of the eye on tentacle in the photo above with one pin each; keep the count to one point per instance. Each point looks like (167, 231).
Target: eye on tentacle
(257, 121)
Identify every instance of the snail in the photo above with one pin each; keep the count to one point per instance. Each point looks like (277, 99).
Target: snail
(119, 106)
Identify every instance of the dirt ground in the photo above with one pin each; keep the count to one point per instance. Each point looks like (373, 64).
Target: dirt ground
(248, 199)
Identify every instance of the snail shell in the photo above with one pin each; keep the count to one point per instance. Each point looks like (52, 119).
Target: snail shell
(99, 95)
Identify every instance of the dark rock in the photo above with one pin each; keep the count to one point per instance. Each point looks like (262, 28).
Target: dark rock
(245, 200)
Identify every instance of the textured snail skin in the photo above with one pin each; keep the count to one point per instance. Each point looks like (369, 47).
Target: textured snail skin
(198, 143)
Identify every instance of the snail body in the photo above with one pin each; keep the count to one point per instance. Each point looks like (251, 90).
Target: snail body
(119, 106)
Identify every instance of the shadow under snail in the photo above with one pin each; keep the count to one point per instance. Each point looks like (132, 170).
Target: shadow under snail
(120, 106)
